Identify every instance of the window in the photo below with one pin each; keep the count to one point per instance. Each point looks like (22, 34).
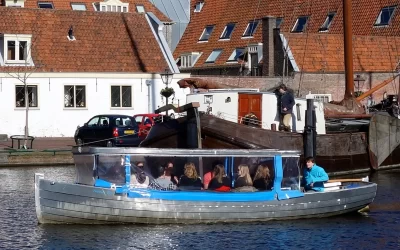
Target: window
(198, 6)
(328, 21)
(78, 6)
(235, 54)
(121, 96)
(278, 23)
(104, 121)
(74, 96)
(45, 5)
(140, 8)
(139, 119)
(124, 122)
(15, 3)
(113, 6)
(300, 24)
(188, 60)
(206, 33)
(226, 34)
(20, 96)
(385, 16)
(93, 122)
(250, 29)
(213, 56)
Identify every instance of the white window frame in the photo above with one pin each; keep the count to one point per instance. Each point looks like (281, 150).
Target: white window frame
(219, 54)
(120, 93)
(140, 8)
(29, 85)
(232, 56)
(44, 2)
(80, 5)
(15, 3)
(248, 27)
(202, 34)
(74, 105)
(199, 5)
(297, 21)
(223, 32)
(379, 24)
(114, 6)
(17, 38)
(326, 25)
(189, 60)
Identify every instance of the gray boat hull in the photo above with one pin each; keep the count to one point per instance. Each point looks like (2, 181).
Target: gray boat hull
(72, 203)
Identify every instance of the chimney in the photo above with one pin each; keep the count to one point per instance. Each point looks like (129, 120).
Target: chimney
(268, 26)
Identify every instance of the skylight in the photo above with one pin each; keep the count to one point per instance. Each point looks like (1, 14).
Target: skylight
(235, 54)
(279, 21)
(226, 34)
(325, 26)
(140, 8)
(385, 16)
(300, 25)
(250, 29)
(206, 33)
(78, 6)
(199, 6)
(213, 56)
(44, 5)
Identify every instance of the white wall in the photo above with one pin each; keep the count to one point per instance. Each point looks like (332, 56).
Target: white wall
(52, 119)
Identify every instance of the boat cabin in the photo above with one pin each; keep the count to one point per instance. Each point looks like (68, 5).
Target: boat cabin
(236, 104)
(114, 168)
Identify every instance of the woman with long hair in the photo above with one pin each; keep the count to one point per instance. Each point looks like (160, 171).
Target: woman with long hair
(190, 178)
(220, 182)
(244, 179)
(262, 178)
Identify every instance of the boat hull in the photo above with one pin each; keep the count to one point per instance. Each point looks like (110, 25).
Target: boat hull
(72, 203)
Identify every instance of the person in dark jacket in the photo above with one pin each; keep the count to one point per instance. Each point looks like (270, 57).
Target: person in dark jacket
(220, 182)
(286, 107)
(190, 179)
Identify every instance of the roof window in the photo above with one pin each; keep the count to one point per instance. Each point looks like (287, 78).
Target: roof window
(226, 34)
(45, 5)
(140, 8)
(78, 6)
(213, 56)
(328, 21)
(300, 25)
(199, 5)
(385, 16)
(279, 21)
(235, 54)
(206, 33)
(250, 29)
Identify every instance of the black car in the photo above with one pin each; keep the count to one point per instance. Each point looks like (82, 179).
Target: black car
(109, 130)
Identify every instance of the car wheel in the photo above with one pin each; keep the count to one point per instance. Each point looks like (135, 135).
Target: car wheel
(110, 144)
(79, 142)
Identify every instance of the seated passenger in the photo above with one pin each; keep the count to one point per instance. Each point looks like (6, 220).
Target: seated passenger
(220, 182)
(139, 179)
(163, 182)
(314, 176)
(169, 169)
(244, 179)
(190, 179)
(209, 175)
(262, 178)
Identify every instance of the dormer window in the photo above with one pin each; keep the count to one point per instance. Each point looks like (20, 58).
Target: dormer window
(15, 50)
(300, 25)
(250, 29)
(385, 16)
(45, 5)
(206, 33)
(15, 3)
(327, 23)
(113, 6)
(226, 34)
(188, 60)
(198, 6)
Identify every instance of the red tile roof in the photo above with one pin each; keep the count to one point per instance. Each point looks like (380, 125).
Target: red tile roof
(221, 12)
(66, 5)
(105, 41)
(325, 52)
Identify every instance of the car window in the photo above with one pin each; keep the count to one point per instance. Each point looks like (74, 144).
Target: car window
(93, 122)
(138, 119)
(147, 120)
(104, 121)
(124, 122)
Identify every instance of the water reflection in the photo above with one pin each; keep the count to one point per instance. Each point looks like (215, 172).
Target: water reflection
(377, 229)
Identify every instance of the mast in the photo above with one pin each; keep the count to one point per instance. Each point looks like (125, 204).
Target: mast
(348, 49)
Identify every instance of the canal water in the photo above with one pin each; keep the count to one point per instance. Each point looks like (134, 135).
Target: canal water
(378, 229)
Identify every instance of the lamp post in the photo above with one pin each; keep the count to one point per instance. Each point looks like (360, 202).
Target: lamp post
(358, 79)
(166, 77)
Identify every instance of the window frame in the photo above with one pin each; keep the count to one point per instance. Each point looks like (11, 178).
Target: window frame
(201, 39)
(233, 60)
(78, 4)
(29, 86)
(251, 35)
(74, 105)
(112, 6)
(219, 54)
(200, 5)
(16, 38)
(278, 22)
(294, 29)
(120, 94)
(390, 18)
(183, 59)
(221, 37)
(49, 3)
(326, 25)
(137, 8)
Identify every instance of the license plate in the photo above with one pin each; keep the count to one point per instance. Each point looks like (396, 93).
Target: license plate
(129, 132)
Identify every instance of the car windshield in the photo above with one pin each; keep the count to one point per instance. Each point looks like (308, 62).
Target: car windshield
(124, 122)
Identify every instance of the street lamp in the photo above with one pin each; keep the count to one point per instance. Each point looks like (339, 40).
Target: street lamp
(358, 79)
(166, 77)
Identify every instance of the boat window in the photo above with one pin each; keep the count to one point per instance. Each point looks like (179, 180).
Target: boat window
(291, 174)
(111, 168)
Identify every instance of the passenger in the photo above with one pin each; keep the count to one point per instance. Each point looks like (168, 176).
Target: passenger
(244, 179)
(169, 169)
(190, 179)
(314, 176)
(220, 182)
(262, 178)
(209, 175)
(139, 179)
(164, 181)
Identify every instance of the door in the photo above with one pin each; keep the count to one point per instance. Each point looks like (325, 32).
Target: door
(250, 103)
(87, 132)
(103, 131)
